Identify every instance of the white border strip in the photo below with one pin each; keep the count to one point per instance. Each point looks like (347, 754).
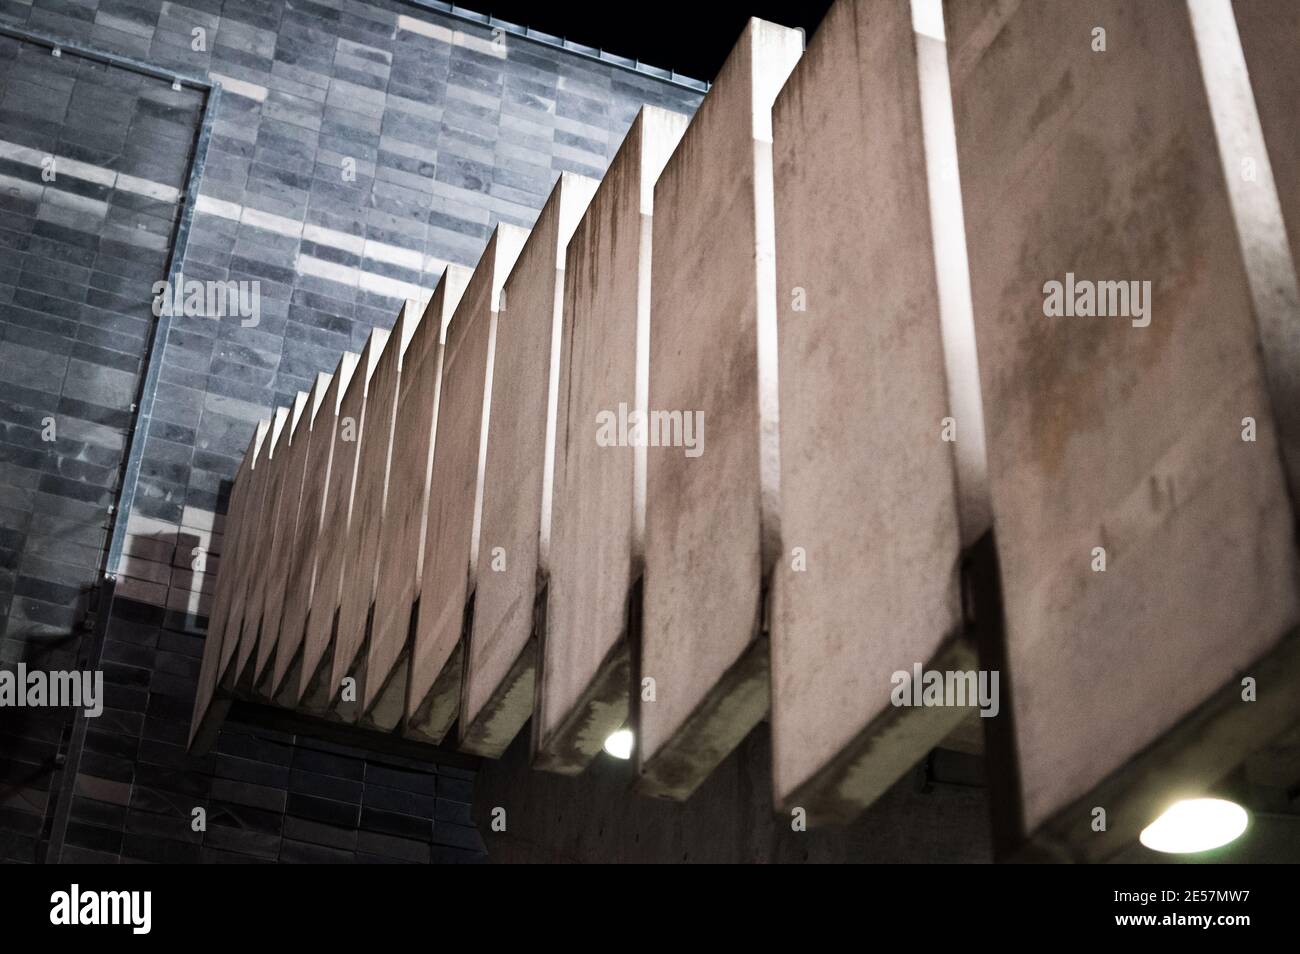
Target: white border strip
(1257, 211)
(952, 273)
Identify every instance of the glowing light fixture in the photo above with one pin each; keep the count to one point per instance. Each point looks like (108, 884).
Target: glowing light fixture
(1195, 824)
(619, 744)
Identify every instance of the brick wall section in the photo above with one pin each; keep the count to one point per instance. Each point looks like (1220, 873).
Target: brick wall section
(268, 795)
(448, 133)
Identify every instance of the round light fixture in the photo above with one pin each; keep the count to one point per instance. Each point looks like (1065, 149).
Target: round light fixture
(619, 744)
(1195, 824)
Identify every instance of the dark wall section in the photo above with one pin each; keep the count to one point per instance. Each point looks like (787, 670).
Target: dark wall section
(938, 813)
(356, 148)
(268, 794)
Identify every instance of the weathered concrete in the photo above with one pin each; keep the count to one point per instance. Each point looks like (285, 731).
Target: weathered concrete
(401, 549)
(711, 518)
(286, 534)
(374, 456)
(518, 478)
(240, 524)
(868, 582)
(243, 584)
(304, 555)
(1123, 433)
(1269, 30)
(456, 493)
(250, 658)
(241, 520)
(315, 685)
(1251, 75)
(597, 543)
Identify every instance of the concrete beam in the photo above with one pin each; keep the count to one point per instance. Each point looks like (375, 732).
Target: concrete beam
(277, 570)
(711, 509)
(868, 583)
(1251, 73)
(1120, 438)
(1268, 30)
(369, 503)
(242, 585)
(247, 671)
(597, 545)
(304, 555)
(401, 549)
(316, 685)
(456, 493)
(241, 515)
(518, 478)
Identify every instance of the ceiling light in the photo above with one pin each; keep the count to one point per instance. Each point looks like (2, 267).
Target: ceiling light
(619, 744)
(1195, 824)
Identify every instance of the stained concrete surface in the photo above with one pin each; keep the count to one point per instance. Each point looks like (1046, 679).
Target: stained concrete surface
(316, 685)
(456, 492)
(711, 515)
(868, 582)
(598, 510)
(401, 546)
(1106, 432)
(518, 479)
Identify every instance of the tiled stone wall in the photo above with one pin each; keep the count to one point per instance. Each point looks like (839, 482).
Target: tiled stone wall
(93, 160)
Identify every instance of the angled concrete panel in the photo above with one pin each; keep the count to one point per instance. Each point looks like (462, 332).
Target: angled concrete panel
(401, 549)
(518, 478)
(456, 493)
(278, 569)
(868, 581)
(232, 654)
(1270, 32)
(303, 554)
(598, 506)
(241, 525)
(315, 685)
(243, 672)
(374, 456)
(1121, 436)
(1251, 73)
(711, 493)
(241, 521)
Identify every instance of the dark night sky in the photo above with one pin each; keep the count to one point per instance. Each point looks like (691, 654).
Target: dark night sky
(690, 37)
